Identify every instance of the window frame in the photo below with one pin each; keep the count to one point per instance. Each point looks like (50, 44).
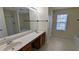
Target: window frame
(62, 22)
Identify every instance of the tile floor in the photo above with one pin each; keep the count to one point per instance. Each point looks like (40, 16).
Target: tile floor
(59, 44)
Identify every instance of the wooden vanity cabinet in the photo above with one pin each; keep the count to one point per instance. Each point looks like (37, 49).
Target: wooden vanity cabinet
(36, 43)
(39, 41)
(44, 38)
(27, 47)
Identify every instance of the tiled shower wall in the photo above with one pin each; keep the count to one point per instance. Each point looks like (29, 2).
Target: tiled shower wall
(39, 20)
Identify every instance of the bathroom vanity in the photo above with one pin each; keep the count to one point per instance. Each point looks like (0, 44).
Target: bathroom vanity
(19, 29)
(27, 47)
(26, 42)
(37, 43)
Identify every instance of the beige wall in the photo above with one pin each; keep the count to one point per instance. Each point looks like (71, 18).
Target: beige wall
(72, 24)
(43, 15)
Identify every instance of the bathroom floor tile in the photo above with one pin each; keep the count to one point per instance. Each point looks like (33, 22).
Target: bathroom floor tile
(59, 44)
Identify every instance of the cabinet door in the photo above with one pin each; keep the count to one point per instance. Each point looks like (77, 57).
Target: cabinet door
(26, 48)
(36, 43)
(39, 41)
(43, 38)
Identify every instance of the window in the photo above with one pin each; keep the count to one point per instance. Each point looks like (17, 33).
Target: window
(61, 22)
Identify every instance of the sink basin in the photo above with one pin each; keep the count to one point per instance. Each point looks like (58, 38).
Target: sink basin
(12, 46)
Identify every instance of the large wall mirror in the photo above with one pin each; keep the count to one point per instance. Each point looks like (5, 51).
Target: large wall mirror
(18, 19)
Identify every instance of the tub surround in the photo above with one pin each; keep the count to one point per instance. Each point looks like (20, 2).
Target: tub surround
(19, 44)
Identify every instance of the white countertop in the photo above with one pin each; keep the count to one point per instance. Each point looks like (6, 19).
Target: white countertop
(24, 40)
